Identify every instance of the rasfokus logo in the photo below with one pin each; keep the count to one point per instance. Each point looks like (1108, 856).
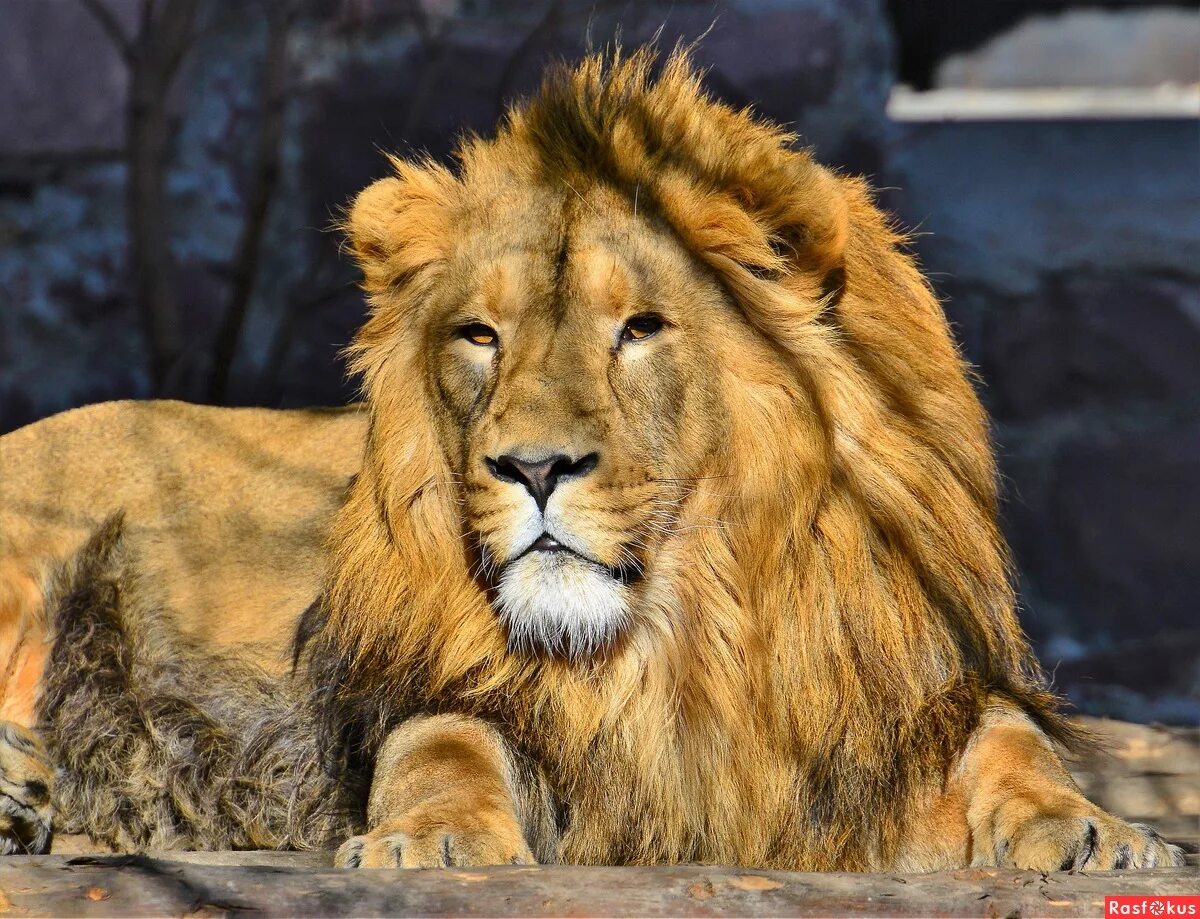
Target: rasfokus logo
(1143, 905)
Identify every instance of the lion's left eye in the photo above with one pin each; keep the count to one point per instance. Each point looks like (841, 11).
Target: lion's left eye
(478, 334)
(641, 327)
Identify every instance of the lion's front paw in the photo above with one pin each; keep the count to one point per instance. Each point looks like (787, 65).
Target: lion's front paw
(427, 841)
(26, 782)
(1096, 841)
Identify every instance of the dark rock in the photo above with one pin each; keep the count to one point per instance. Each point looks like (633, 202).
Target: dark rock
(1086, 341)
(1068, 252)
(1103, 525)
(1006, 204)
(1152, 678)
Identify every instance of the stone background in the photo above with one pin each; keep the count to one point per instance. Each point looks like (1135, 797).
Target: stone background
(1068, 251)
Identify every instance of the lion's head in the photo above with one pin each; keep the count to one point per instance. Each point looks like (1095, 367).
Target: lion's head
(584, 371)
(584, 366)
(667, 435)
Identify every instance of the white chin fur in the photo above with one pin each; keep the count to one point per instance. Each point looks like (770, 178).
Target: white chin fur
(558, 602)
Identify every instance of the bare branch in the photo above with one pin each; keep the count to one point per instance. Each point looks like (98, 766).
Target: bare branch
(108, 21)
(145, 16)
(173, 35)
(326, 281)
(437, 56)
(266, 177)
(165, 34)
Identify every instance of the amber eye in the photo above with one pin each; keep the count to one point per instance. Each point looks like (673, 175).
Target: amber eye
(478, 334)
(641, 327)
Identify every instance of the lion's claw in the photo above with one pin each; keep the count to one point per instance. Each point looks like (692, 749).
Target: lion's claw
(409, 844)
(26, 784)
(1095, 842)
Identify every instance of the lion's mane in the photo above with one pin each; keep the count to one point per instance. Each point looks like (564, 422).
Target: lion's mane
(835, 640)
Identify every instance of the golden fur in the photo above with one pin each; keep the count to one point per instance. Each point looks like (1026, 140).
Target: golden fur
(112, 636)
(782, 496)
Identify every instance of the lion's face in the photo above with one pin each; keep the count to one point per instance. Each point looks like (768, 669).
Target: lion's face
(575, 381)
(612, 313)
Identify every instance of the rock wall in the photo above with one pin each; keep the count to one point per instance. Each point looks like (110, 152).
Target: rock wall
(365, 76)
(1069, 256)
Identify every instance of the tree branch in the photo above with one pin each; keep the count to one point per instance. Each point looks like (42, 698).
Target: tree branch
(324, 283)
(266, 177)
(108, 21)
(545, 26)
(174, 29)
(164, 36)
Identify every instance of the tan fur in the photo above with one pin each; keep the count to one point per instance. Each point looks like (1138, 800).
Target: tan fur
(227, 509)
(26, 780)
(818, 664)
(1024, 809)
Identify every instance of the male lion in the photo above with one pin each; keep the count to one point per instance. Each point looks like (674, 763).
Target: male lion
(673, 540)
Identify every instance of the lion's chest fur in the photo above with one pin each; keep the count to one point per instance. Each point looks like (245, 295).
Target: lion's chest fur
(684, 813)
(657, 785)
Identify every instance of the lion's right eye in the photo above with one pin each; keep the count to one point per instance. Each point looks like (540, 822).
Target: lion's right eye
(479, 334)
(641, 327)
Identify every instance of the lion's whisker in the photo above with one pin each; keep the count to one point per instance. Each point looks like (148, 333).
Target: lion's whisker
(585, 201)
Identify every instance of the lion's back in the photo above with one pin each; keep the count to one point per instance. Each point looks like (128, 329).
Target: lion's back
(227, 509)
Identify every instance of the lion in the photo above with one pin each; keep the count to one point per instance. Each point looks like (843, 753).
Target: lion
(672, 538)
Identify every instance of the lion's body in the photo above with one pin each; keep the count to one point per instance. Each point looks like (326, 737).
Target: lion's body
(674, 536)
(228, 510)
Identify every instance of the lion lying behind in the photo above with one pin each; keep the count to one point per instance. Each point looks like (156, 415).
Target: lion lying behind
(672, 539)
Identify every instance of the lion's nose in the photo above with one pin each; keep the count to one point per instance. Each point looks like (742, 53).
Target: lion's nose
(540, 477)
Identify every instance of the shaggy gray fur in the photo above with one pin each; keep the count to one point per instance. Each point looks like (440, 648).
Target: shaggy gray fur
(162, 745)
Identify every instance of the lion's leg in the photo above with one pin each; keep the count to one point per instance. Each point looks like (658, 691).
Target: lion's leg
(26, 784)
(26, 774)
(1023, 809)
(24, 640)
(445, 792)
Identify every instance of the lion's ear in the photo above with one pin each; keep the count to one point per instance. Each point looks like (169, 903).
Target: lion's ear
(810, 231)
(784, 221)
(400, 224)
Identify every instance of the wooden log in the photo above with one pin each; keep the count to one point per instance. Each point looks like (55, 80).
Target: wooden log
(1152, 773)
(270, 886)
